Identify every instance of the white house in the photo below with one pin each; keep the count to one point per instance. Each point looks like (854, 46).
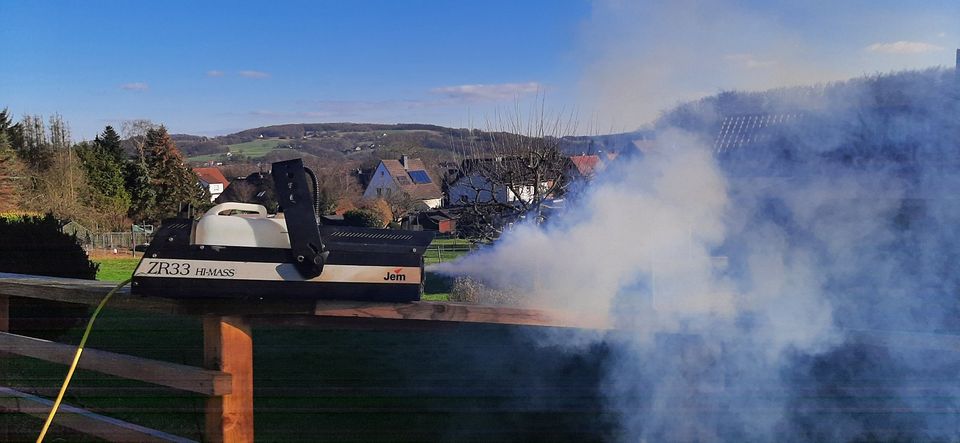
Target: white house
(473, 186)
(405, 175)
(213, 180)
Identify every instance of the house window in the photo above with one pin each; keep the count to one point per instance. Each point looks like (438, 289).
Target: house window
(389, 190)
(381, 173)
(379, 192)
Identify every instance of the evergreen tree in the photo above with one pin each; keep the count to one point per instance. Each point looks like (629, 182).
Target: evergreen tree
(142, 195)
(33, 146)
(110, 143)
(5, 142)
(105, 177)
(174, 182)
(12, 170)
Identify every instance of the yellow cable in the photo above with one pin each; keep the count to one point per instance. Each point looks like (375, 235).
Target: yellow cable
(76, 359)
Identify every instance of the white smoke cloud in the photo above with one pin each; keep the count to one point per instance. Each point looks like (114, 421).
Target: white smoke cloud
(640, 58)
(749, 61)
(489, 92)
(255, 74)
(135, 86)
(640, 251)
(903, 47)
(739, 284)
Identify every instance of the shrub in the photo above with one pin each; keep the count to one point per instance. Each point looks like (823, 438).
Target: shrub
(34, 245)
(364, 217)
(468, 290)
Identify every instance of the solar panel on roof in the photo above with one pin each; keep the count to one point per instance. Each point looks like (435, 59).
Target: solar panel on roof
(419, 177)
(743, 130)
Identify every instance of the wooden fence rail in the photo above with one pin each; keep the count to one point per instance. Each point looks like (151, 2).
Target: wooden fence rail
(227, 376)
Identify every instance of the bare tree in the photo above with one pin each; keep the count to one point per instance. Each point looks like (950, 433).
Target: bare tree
(136, 132)
(510, 171)
(335, 184)
(400, 204)
(60, 187)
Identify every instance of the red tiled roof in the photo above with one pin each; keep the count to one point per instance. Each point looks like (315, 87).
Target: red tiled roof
(586, 164)
(211, 175)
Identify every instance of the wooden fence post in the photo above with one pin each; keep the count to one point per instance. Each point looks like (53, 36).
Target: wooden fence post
(228, 347)
(4, 365)
(4, 313)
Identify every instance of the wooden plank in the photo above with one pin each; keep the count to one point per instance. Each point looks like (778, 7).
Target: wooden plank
(82, 420)
(90, 292)
(186, 378)
(228, 347)
(346, 323)
(456, 312)
(71, 290)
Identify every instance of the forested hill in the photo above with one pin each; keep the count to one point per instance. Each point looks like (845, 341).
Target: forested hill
(353, 141)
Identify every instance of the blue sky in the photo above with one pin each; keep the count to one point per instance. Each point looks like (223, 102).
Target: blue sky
(216, 67)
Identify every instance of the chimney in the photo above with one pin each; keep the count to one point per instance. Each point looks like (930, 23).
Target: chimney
(403, 158)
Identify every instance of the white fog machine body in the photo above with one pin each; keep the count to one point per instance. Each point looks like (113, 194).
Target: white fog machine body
(239, 250)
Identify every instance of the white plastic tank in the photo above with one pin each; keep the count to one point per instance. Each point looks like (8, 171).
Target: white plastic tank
(251, 227)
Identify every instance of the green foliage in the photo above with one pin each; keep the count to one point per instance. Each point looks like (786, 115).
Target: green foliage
(32, 145)
(35, 245)
(364, 218)
(110, 143)
(142, 194)
(5, 125)
(11, 169)
(174, 182)
(104, 168)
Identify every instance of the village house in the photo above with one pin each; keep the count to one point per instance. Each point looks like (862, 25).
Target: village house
(470, 185)
(583, 167)
(212, 180)
(407, 175)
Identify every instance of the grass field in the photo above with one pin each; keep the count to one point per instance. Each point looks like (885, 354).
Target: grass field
(254, 149)
(116, 268)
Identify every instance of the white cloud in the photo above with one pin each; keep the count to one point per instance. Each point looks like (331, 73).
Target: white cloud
(214, 73)
(135, 86)
(749, 61)
(903, 47)
(496, 92)
(254, 74)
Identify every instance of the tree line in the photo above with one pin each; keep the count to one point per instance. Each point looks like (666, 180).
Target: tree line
(97, 183)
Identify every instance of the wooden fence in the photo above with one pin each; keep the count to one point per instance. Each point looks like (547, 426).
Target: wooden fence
(113, 240)
(226, 379)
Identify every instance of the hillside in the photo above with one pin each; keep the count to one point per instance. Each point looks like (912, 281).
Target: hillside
(359, 143)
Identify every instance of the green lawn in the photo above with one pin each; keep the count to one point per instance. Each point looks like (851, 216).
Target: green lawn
(116, 269)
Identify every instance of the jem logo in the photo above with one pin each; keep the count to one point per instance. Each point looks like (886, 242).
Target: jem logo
(395, 275)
